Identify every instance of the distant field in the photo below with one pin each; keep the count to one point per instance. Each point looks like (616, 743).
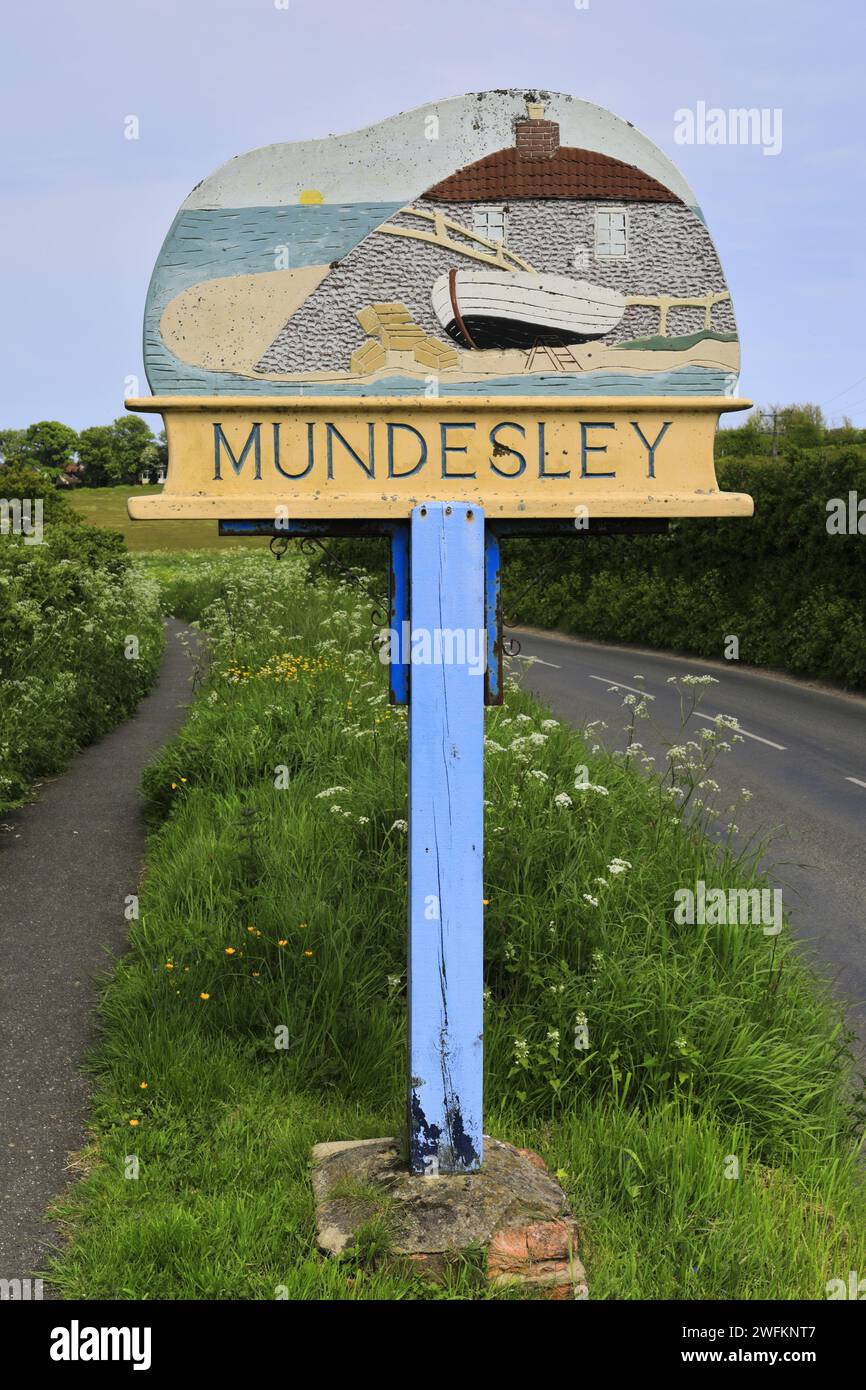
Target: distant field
(106, 506)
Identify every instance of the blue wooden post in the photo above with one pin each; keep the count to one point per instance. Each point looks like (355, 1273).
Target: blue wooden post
(446, 826)
(398, 605)
(494, 692)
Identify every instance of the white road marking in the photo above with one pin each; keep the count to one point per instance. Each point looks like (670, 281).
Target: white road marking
(856, 781)
(621, 685)
(712, 718)
(536, 660)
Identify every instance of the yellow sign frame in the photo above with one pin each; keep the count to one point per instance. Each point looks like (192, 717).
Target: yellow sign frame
(520, 457)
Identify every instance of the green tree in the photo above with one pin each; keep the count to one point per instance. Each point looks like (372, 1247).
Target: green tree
(743, 441)
(96, 451)
(114, 454)
(50, 444)
(132, 440)
(162, 450)
(802, 426)
(13, 447)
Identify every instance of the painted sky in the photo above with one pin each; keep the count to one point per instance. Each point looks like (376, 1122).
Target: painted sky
(84, 210)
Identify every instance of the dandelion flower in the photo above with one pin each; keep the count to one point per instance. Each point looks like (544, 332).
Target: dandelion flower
(134, 1123)
(204, 995)
(230, 950)
(308, 953)
(142, 1085)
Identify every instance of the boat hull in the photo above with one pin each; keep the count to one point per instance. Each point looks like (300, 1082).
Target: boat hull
(518, 309)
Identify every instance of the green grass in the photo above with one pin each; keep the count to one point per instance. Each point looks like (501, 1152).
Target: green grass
(287, 909)
(106, 506)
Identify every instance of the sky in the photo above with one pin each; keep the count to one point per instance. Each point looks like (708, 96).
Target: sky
(84, 210)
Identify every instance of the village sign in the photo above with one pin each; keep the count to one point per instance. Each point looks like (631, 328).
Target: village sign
(499, 314)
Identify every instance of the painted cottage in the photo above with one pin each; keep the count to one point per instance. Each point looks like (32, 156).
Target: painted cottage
(539, 257)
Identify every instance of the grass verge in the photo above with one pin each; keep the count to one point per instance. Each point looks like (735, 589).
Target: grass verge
(706, 1134)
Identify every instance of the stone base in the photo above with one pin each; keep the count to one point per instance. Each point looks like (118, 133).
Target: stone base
(512, 1209)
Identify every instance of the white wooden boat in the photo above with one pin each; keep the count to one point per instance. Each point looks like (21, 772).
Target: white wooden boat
(490, 308)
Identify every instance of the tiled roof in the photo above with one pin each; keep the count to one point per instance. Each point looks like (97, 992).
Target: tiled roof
(570, 173)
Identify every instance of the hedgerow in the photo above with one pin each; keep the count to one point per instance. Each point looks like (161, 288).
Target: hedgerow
(80, 637)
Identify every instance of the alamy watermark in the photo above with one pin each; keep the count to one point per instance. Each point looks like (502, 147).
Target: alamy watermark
(77, 1343)
(846, 516)
(716, 907)
(20, 1290)
(739, 125)
(439, 646)
(22, 517)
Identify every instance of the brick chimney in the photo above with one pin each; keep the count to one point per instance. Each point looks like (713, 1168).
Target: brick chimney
(535, 137)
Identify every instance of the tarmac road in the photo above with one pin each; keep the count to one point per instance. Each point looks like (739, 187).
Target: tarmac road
(803, 757)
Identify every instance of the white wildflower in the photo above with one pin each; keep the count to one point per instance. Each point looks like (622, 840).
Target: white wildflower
(618, 866)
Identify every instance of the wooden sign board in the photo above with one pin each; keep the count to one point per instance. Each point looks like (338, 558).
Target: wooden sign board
(509, 299)
(503, 310)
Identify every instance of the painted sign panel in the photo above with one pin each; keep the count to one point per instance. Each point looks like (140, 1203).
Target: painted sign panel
(519, 247)
(617, 457)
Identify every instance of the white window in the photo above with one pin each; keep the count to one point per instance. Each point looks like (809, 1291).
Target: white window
(611, 232)
(489, 222)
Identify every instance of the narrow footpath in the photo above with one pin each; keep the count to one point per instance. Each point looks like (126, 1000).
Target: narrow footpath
(67, 863)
